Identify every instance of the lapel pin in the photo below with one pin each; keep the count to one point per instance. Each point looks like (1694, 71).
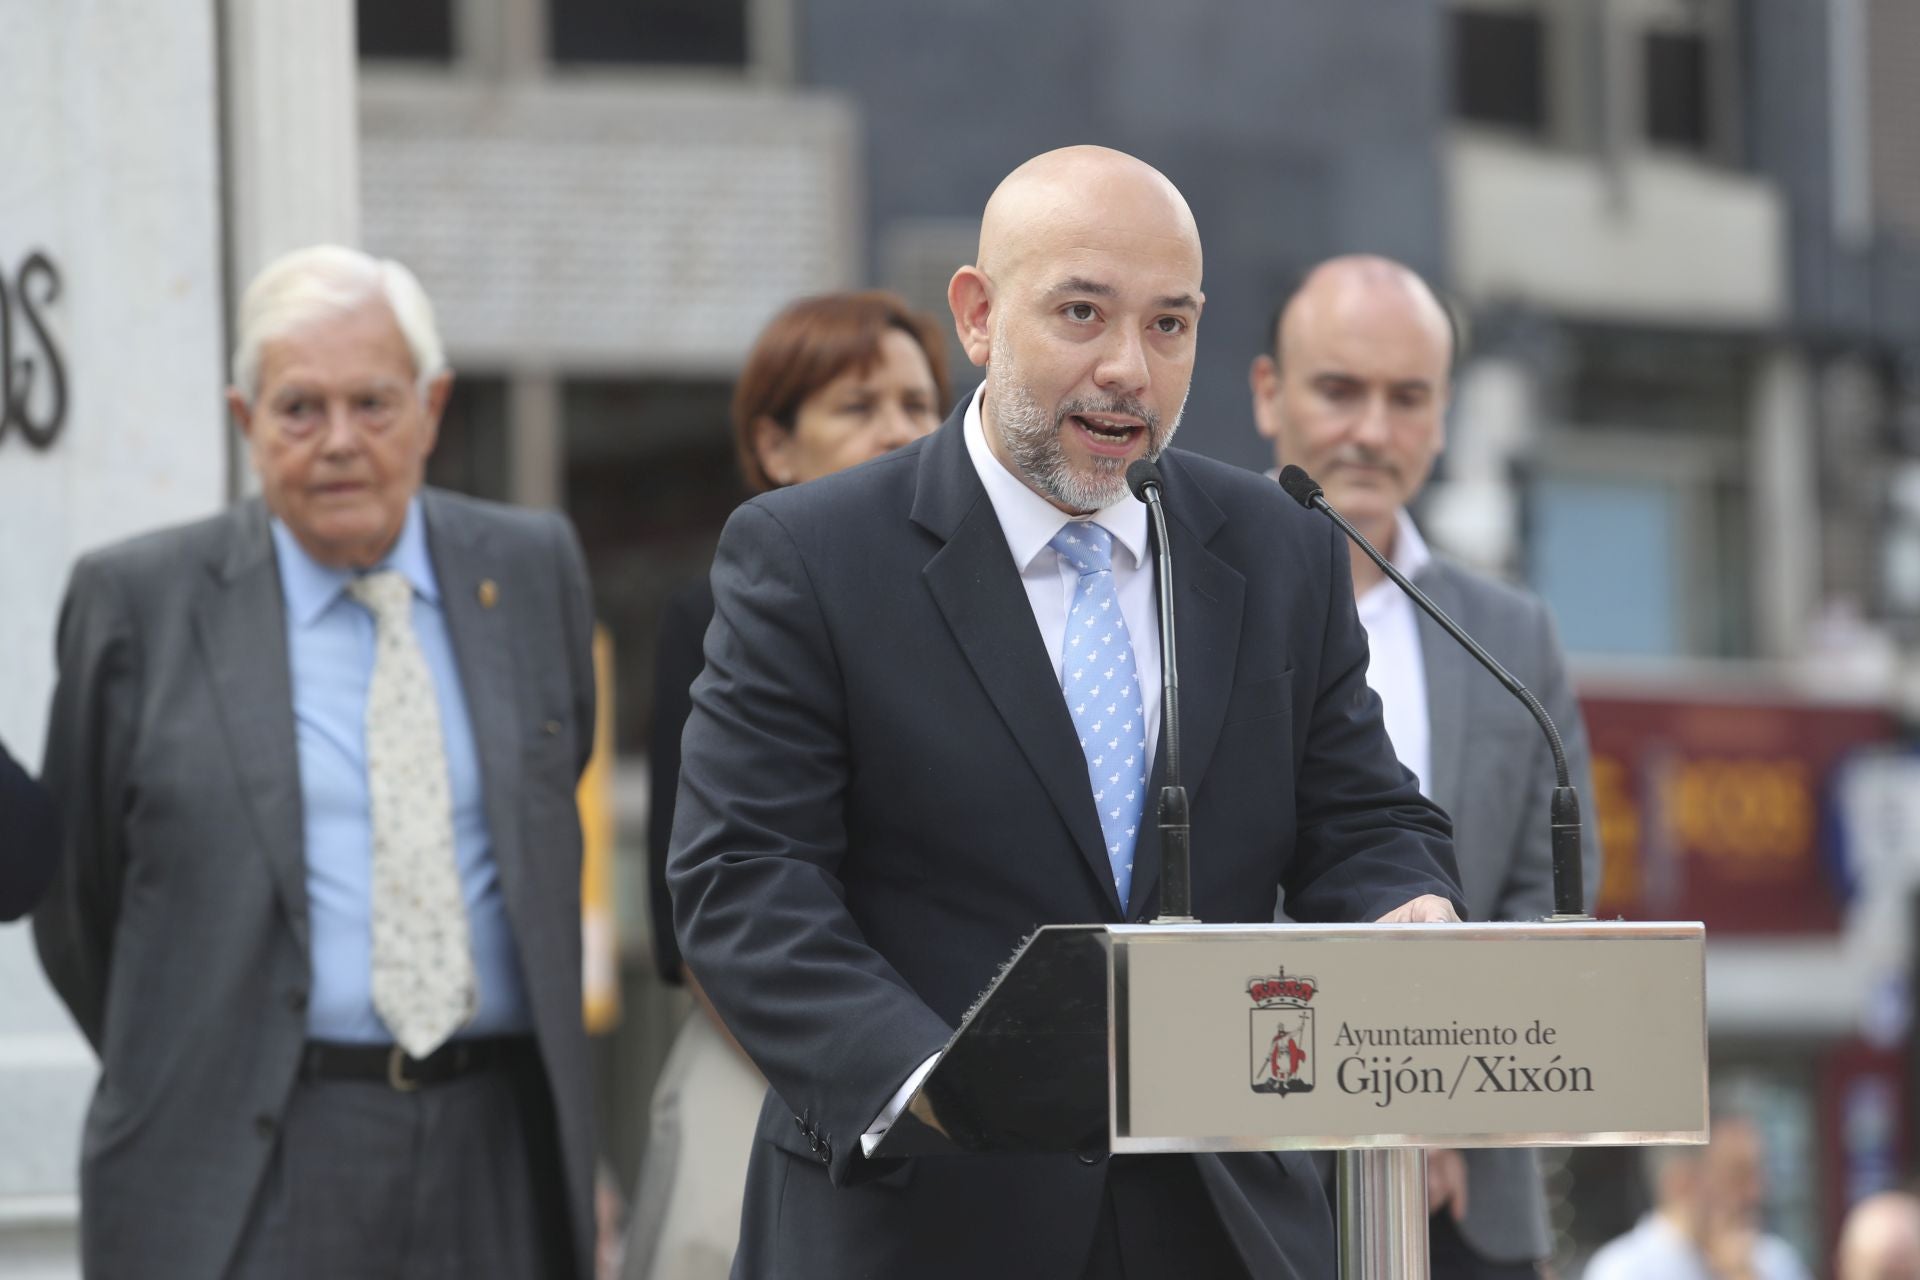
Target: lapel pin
(489, 593)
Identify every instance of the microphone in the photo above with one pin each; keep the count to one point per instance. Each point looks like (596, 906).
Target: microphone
(1176, 879)
(1564, 814)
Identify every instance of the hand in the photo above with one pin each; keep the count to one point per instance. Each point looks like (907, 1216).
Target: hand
(1428, 908)
(1447, 1182)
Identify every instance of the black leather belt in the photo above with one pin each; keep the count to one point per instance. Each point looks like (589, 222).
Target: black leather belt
(393, 1066)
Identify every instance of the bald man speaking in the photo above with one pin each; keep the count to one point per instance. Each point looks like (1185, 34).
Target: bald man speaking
(929, 723)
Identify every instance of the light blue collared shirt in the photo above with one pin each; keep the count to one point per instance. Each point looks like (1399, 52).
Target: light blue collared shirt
(330, 652)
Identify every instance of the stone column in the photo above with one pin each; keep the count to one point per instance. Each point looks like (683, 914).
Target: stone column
(290, 128)
(536, 441)
(290, 144)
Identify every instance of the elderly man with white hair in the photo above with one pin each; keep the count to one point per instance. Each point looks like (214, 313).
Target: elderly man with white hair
(318, 910)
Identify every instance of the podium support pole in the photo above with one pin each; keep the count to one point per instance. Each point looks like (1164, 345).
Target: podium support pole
(1383, 1214)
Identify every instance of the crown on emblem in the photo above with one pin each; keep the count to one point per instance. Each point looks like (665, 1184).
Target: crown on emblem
(1281, 991)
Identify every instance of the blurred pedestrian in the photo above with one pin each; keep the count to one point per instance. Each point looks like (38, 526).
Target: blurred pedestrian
(29, 839)
(832, 381)
(1705, 1221)
(319, 912)
(1355, 391)
(1880, 1239)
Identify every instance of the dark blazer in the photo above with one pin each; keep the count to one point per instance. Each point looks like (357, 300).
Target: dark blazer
(176, 930)
(678, 660)
(29, 839)
(1493, 772)
(882, 793)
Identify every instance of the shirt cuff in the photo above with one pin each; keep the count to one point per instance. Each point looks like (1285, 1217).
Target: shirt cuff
(895, 1105)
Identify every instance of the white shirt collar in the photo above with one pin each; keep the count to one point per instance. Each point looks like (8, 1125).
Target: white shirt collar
(310, 588)
(1028, 520)
(1411, 554)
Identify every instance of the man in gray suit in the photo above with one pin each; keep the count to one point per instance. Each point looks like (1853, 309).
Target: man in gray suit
(1355, 391)
(319, 906)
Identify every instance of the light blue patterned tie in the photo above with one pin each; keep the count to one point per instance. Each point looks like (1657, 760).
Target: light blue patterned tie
(1102, 686)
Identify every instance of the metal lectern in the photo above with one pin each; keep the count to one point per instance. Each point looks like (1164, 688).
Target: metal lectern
(1376, 1041)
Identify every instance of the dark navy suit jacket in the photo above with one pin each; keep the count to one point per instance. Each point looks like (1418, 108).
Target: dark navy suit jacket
(882, 792)
(29, 839)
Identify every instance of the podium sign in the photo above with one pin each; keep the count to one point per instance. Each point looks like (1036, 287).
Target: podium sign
(1199, 1037)
(1279, 1037)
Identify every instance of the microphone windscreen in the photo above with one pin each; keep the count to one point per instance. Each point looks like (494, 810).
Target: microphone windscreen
(1142, 474)
(1299, 485)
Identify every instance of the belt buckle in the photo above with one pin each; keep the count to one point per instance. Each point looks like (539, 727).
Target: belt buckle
(397, 1076)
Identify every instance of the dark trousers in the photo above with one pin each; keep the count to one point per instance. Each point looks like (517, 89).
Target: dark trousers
(1450, 1257)
(1157, 1223)
(455, 1181)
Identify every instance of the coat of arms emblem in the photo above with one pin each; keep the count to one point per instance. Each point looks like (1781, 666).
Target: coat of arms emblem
(1281, 1037)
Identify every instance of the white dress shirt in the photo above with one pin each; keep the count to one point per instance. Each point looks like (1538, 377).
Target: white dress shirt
(1029, 523)
(1656, 1250)
(1395, 666)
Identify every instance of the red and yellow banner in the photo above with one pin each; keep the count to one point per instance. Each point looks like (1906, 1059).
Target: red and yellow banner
(1712, 810)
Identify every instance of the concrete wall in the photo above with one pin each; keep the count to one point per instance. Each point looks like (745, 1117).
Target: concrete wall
(111, 171)
(1658, 241)
(606, 226)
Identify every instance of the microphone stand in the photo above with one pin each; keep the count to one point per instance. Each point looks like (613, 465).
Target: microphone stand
(1176, 830)
(1564, 812)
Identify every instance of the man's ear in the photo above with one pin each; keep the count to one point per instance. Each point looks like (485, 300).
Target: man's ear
(1264, 380)
(242, 412)
(970, 296)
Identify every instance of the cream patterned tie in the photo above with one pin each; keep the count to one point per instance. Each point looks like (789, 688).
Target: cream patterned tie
(424, 985)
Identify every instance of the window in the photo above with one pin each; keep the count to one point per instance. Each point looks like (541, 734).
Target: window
(660, 32)
(1644, 555)
(1637, 510)
(650, 479)
(420, 30)
(1676, 89)
(1605, 556)
(1684, 384)
(471, 454)
(1499, 69)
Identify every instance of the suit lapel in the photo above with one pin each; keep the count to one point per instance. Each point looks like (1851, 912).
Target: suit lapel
(1448, 670)
(1208, 596)
(978, 590)
(477, 623)
(241, 621)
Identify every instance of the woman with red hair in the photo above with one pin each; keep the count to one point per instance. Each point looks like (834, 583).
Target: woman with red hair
(831, 382)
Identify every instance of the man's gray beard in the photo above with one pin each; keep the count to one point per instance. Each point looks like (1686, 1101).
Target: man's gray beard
(1033, 440)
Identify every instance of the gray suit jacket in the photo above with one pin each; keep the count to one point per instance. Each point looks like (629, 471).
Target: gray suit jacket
(176, 929)
(1493, 772)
